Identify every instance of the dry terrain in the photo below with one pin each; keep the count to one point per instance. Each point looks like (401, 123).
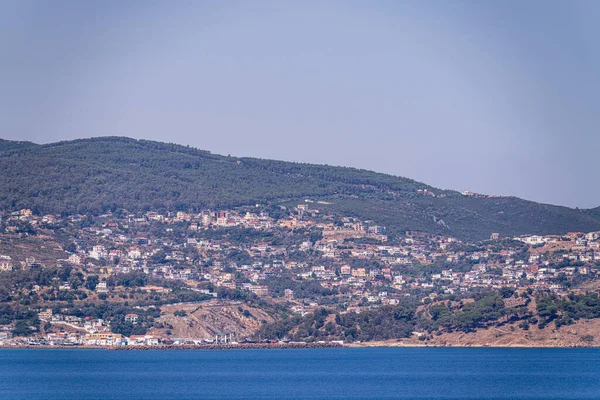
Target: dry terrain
(205, 320)
(46, 250)
(584, 333)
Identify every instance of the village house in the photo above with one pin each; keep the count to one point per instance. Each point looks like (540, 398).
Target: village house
(133, 318)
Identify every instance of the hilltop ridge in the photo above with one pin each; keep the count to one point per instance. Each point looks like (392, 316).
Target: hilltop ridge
(7, 145)
(108, 173)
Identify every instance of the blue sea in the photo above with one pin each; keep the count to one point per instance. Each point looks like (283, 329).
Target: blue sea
(377, 373)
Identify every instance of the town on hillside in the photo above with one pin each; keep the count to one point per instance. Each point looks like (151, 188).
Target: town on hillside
(271, 274)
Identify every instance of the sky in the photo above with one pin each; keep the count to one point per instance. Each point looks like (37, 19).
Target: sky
(495, 97)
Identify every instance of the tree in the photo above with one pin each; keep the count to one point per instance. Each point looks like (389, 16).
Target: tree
(316, 235)
(70, 247)
(91, 282)
(180, 313)
(506, 292)
(25, 327)
(75, 279)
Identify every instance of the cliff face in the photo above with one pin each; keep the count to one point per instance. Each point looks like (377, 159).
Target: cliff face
(205, 320)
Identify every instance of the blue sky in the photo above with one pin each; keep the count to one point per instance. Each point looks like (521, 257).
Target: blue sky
(499, 97)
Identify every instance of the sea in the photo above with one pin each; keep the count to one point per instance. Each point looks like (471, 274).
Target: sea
(339, 373)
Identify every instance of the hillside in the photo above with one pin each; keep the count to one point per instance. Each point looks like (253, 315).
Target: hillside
(101, 174)
(205, 320)
(7, 145)
(595, 212)
(500, 318)
(582, 333)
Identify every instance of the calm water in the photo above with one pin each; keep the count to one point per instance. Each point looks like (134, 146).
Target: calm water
(301, 374)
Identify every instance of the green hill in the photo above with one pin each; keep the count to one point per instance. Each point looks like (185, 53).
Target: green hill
(595, 212)
(101, 174)
(7, 145)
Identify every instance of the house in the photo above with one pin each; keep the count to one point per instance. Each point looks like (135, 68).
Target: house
(45, 315)
(156, 289)
(147, 340)
(133, 318)
(258, 290)
(103, 339)
(346, 270)
(5, 263)
(98, 252)
(74, 259)
(101, 287)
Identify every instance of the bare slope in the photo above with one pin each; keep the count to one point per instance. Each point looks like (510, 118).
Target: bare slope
(205, 320)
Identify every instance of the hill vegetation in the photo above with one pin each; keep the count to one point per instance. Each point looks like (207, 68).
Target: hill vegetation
(488, 309)
(7, 145)
(97, 175)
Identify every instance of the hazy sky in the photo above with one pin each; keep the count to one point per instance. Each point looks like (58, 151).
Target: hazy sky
(499, 97)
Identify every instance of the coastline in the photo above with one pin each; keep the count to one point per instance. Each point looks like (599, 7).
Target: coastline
(282, 346)
(241, 346)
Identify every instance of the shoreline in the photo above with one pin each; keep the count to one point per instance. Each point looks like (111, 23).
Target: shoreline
(243, 346)
(281, 346)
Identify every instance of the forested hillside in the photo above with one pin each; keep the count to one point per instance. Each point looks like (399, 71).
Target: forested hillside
(595, 212)
(6, 145)
(101, 174)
